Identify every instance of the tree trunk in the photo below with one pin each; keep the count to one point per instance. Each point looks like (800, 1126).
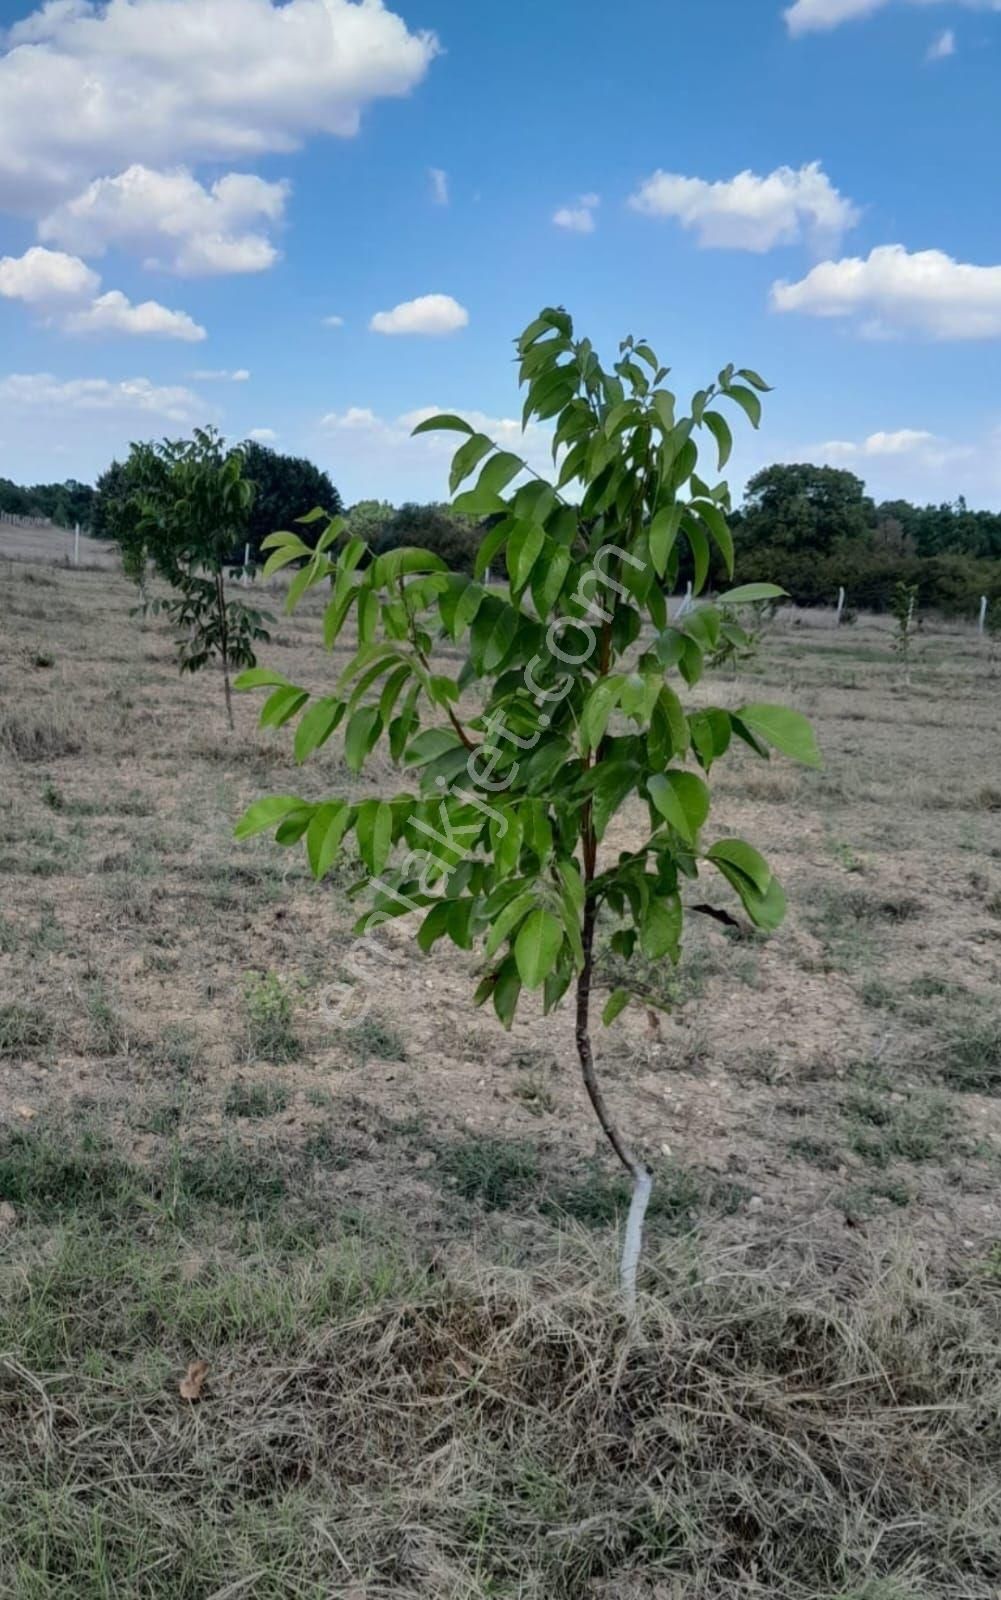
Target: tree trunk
(637, 1170)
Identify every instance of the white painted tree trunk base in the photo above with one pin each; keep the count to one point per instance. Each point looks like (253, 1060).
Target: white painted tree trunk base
(633, 1241)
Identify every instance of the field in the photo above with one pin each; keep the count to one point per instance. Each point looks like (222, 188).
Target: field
(391, 1235)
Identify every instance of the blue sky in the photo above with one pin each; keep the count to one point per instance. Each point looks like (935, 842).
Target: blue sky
(189, 189)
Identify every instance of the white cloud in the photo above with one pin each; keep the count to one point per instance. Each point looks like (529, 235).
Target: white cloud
(333, 322)
(439, 186)
(815, 16)
(579, 217)
(220, 375)
(185, 227)
(263, 435)
(43, 277)
(428, 314)
(43, 391)
(381, 439)
(749, 212)
(354, 419)
(86, 88)
(114, 313)
(942, 47)
(901, 442)
(896, 292)
(64, 290)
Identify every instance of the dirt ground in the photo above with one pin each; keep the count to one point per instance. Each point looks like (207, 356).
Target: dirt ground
(845, 1072)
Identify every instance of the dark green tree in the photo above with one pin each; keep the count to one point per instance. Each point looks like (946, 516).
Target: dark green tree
(803, 508)
(434, 527)
(285, 488)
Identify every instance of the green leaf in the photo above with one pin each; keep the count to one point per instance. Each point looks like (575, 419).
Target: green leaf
(787, 731)
(616, 1003)
(362, 732)
(374, 832)
(316, 726)
(745, 859)
(404, 561)
(765, 910)
(523, 548)
(513, 914)
(715, 521)
(324, 834)
(537, 946)
(506, 842)
(506, 992)
(295, 550)
(260, 678)
(663, 404)
(493, 634)
(468, 456)
(444, 421)
(695, 534)
(548, 577)
(431, 744)
(598, 707)
(280, 706)
(682, 800)
(266, 814)
(720, 430)
(753, 379)
(660, 928)
(368, 615)
(747, 400)
(749, 593)
(663, 532)
(711, 731)
(495, 477)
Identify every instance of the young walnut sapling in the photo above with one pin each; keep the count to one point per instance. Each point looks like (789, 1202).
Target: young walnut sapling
(571, 678)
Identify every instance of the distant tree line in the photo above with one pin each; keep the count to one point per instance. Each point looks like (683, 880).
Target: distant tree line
(63, 503)
(813, 529)
(810, 528)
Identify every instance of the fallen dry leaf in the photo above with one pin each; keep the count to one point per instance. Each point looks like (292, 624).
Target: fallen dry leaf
(191, 1385)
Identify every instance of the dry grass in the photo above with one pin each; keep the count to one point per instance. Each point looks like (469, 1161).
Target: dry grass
(376, 1425)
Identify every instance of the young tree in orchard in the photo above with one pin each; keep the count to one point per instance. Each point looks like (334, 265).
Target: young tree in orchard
(572, 676)
(194, 512)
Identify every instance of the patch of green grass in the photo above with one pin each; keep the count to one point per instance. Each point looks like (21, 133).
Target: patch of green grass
(968, 1056)
(847, 922)
(823, 1153)
(24, 1030)
(372, 1039)
(497, 1173)
(923, 1128)
(175, 1047)
(509, 1174)
(107, 1032)
(269, 1029)
(863, 1201)
(264, 1099)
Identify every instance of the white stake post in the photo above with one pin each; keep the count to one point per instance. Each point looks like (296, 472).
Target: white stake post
(983, 614)
(246, 562)
(841, 607)
(76, 545)
(686, 604)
